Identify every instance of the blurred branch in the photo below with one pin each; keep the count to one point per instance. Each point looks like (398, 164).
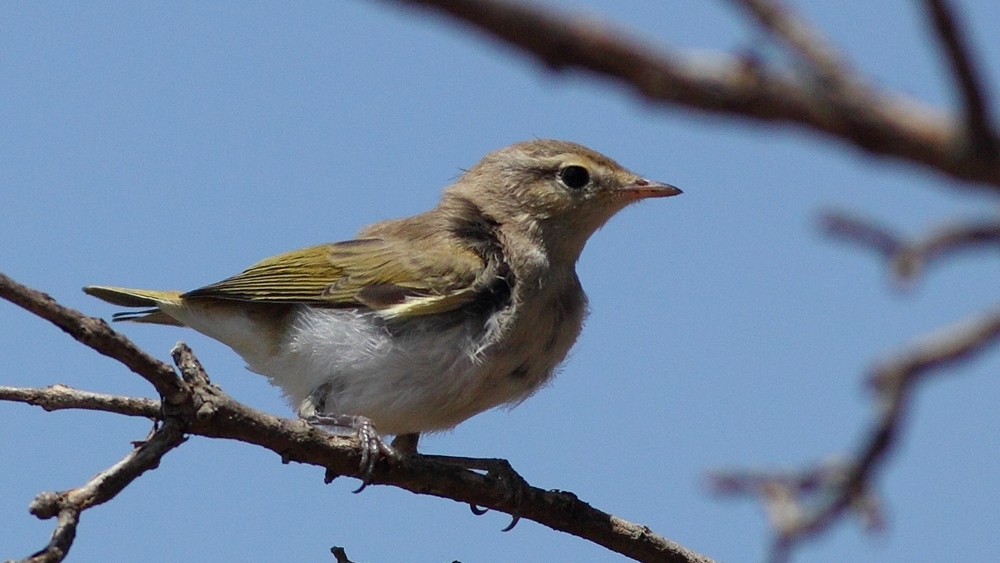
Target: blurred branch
(978, 120)
(802, 504)
(942, 349)
(849, 110)
(908, 259)
(816, 495)
(201, 408)
(806, 41)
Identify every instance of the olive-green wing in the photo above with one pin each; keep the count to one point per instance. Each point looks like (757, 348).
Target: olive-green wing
(396, 278)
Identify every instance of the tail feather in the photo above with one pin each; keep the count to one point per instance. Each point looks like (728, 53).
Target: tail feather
(125, 297)
(152, 316)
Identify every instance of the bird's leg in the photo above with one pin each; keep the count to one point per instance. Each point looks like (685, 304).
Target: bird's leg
(372, 446)
(514, 485)
(406, 443)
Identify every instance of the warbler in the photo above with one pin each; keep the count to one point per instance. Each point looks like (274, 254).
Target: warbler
(422, 322)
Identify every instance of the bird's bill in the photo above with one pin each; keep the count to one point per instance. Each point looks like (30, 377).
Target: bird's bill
(643, 189)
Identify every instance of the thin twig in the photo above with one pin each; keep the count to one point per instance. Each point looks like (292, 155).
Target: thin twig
(895, 381)
(978, 118)
(863, 232)
(941, 349)
(68, 505)
(60, 397)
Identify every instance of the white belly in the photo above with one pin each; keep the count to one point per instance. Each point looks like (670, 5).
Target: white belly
(424, 378)
(415, 382)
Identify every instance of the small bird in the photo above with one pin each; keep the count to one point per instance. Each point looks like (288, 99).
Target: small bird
(422, 322)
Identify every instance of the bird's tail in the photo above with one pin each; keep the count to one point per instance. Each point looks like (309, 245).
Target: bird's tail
(125, 297)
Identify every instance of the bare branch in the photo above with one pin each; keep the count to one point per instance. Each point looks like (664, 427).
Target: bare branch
(808, 42)
(292, 438)
(970, 84)
(96, 334)
(68, 505)
(908, 259)
(804, 503)
(878, 122)
(59, 397)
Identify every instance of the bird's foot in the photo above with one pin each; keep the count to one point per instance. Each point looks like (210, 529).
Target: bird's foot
(372, 446)
(515, 487)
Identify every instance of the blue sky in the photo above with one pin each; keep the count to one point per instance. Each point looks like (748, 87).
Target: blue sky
(169, 145)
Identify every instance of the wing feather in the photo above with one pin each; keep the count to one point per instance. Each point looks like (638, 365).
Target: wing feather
(400, 279)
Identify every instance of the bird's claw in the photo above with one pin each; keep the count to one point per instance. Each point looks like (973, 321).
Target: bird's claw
(373, 448)
(515, 487)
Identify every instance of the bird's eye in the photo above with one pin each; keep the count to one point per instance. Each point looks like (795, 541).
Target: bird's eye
(575, 177)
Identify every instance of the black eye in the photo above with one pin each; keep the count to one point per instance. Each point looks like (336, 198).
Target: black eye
(575, 177)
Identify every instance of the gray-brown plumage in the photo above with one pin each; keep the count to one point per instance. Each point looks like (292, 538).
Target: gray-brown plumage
(422, 322)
